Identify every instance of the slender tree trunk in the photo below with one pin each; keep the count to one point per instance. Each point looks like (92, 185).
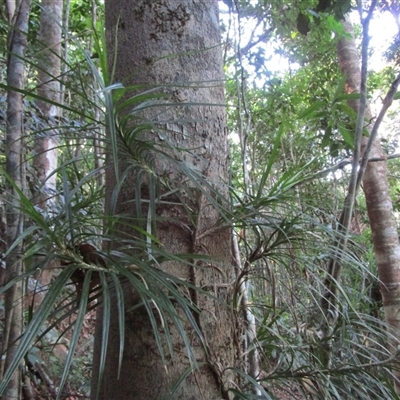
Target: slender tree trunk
(98, 140)
(176, 43)
(14, 168)
(49, 88)
(11, 5)
(49, 64)
(251, 356)
(65, 49)
(379, 204)
(250, 352)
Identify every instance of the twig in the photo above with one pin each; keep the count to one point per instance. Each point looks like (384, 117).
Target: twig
(45, 378)
(387, 102)
(343, 163)
(27, 390)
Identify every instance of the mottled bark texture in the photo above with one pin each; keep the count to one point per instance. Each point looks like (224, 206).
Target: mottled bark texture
(379, 204)
(14, 155)
(48, 87)
(176, 43)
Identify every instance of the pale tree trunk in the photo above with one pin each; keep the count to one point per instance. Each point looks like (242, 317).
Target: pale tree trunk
(98, 140)
(11, 5)
(177, 43)
(49, 88)
(14, 168)
(251, 356)
(379, 204)
(49, 61)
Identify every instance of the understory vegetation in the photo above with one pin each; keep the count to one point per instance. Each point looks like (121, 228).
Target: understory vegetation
(292, 139)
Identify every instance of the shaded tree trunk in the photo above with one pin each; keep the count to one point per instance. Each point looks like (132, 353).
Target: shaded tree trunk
(379, 204)
(49, 64)
(175, 43)
(14, 168)
(49, 88)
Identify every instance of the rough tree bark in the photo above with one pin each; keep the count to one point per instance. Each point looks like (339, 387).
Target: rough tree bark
(14, 165)
(176, 43)
(379, 204)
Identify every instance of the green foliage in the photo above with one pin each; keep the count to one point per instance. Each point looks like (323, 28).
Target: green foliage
(381, 80)
(75, 216)
(300, 124)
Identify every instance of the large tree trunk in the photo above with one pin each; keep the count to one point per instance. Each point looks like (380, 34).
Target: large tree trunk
(379, 204)
(14, 167)
(175, 42)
